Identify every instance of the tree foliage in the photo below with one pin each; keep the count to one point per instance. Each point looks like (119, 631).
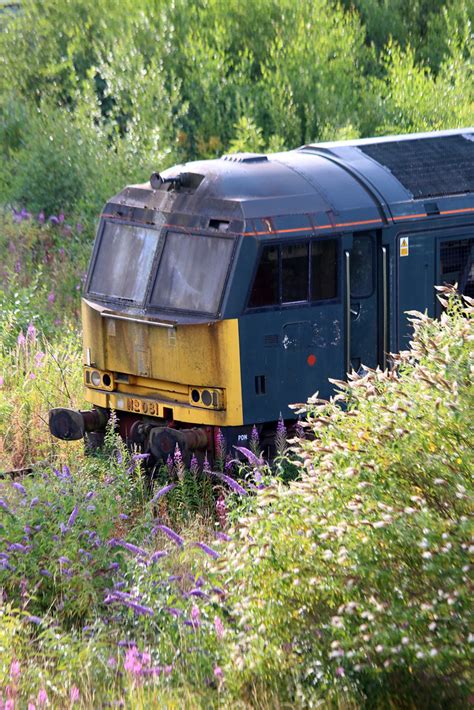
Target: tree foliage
(97, 94)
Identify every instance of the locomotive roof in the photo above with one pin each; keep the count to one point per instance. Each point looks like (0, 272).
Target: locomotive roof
(363, 182)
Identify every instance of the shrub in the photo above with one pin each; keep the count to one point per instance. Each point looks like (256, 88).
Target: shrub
(352, 583)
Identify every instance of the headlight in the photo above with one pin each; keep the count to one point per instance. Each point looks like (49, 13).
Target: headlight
(207, 398)
(95, 378)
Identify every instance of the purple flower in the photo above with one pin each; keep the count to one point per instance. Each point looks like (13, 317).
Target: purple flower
(194, 466)
(132, 548)
(218, 672)
(21, 340)
(34, 501)
(73, 516)
(4, 505)
(123, 516)
(208, 550)
(19, 488)
(53, 219)
(139, 609)
(34, 620)
(236, 487)
(220, 444)
(31, 332)
(18, 547)
(171, 534)
(2, 381)
(41, 217)
(66, 472)
(174, 612)
(79, 228)
(158, 555)
(163, 491)
(74, 694)
(45, 573)
(51, 297)
(280, 438)
(223, 536)
(250, 456)
(42, 698)
(15, 670)
(206, 467)
(64, 560)
(219, 627)
(39, 359)
(169, 465)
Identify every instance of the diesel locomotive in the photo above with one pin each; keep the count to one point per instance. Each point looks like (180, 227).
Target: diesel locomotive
(221, 291)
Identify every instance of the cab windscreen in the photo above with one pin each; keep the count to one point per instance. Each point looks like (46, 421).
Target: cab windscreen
(123, 263)
(192, 272)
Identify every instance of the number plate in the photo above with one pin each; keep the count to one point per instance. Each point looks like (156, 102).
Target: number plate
(142, 406)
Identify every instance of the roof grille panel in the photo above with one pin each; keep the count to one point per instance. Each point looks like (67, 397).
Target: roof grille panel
(246, 158)
(429, 167)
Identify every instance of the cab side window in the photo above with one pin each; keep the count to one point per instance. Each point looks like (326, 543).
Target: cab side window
(457, 264)
(296, 273)
(324, 270)
(265, 287)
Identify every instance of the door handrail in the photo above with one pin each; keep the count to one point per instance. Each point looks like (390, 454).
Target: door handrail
(347, 261)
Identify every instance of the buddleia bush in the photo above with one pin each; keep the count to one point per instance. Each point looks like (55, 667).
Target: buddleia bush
(352, 583)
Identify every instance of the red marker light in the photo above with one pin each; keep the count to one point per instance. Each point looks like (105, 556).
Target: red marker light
(311, 360)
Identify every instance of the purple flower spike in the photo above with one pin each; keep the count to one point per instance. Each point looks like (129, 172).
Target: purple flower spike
(236, 487)
(34, 501)
(66, 472)
(19, 488)
(194, 466)
(45, 573)
(171, 534)
(198, 593)
(73, 517)
(4, 506)
(208, 550)
(174, 612)
(134, 549)
(250, 456)
(139, 609)
(18, 547)
(206, 468)
(163, 491)
(158, 555)
(34, 620)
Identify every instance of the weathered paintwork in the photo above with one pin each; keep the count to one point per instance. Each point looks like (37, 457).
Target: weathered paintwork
(318, 191)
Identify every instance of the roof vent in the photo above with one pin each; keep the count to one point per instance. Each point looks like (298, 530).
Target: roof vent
(246, 158)
(189, 181)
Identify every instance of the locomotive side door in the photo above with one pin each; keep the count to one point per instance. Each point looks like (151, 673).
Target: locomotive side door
(366, 301)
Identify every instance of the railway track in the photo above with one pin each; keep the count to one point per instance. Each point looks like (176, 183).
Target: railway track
(16, 472)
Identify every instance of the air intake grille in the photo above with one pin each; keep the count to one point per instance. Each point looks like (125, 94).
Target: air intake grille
(429, 167)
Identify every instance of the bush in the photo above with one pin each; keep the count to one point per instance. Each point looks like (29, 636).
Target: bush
(352, 583)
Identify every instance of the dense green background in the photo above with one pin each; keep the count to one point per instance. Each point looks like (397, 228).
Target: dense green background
(94, 94)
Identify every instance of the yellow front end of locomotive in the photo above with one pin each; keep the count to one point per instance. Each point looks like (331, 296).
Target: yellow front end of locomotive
(186, 373)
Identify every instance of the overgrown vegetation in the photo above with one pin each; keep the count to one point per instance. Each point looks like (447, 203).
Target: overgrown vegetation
(347, 586)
